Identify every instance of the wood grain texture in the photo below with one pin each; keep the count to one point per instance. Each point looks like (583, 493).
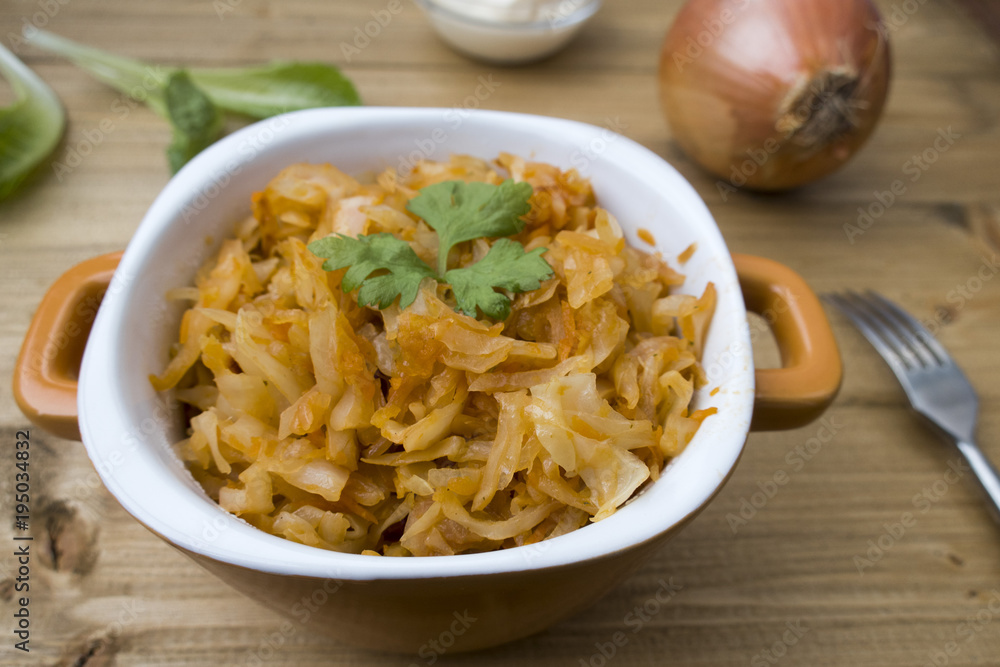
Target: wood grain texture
(986, 13)
(106, 592)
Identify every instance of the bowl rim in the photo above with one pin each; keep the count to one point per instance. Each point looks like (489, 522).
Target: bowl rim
(578, 16)
(101, 398)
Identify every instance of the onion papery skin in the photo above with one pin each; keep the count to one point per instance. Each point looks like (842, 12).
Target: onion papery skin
(773, 94)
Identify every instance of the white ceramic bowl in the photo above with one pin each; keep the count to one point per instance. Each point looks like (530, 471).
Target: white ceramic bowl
(399, 603)
(509, 42)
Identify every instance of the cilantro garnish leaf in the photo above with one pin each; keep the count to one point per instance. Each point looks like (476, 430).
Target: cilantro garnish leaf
(460, 211)
(505, 266)
(367, 254)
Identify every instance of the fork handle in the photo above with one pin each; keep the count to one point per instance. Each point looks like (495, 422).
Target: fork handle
(984, 471)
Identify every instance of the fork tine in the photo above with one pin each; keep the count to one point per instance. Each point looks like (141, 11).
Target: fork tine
(895, 334)
(886, 333)
(918, 332)
(864, 324)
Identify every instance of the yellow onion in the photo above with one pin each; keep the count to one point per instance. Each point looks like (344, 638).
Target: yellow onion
(772, 94)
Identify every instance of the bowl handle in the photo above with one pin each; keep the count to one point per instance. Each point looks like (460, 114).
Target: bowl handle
(806, 384)
(46, 373)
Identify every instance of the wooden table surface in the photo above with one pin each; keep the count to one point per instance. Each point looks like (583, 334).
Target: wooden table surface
(104, 591)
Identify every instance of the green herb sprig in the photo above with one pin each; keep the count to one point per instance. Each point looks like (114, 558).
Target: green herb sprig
(382, 267)
(193, 100)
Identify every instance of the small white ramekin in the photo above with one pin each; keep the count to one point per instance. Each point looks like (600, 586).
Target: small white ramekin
(509, 42)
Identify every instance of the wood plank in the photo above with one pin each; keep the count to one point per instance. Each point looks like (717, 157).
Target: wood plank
(109, 593)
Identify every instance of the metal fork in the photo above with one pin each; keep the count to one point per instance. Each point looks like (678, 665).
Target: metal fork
(936, 387)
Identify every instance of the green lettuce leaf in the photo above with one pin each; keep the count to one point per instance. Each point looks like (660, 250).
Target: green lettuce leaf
(30, 128)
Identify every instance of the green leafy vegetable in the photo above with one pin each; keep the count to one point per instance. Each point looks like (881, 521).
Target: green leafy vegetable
(261, 92)
(30, 128)
(141, 81)
(257, 92)
(459, 212)
(197, 121)
(368, 254)
(507, 266)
